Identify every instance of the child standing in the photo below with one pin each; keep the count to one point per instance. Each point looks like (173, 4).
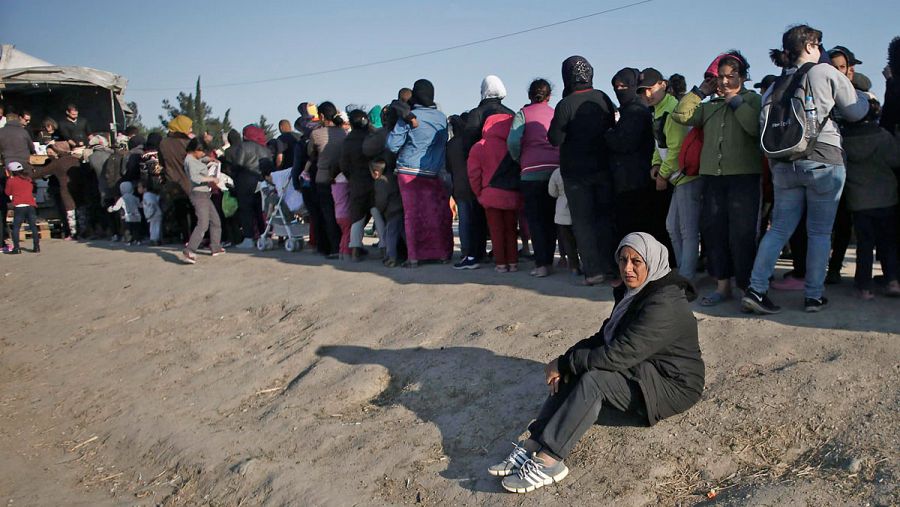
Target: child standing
(871, 190)
(132, 210)
(340, 192)
(20, 189)
(389, 204)
(152, 212)
(500, 205)
(563, 220)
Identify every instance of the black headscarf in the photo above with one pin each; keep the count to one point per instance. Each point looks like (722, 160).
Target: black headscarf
(423, 93)
(153, 140)
(135, 141)
(628, 77)
(234, 137)
(577, 74)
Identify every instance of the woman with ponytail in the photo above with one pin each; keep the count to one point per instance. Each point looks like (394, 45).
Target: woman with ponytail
(813, 183)
(324, 151)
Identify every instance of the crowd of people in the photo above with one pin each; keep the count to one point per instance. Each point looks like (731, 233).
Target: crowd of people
(642, 194)
(691, 168)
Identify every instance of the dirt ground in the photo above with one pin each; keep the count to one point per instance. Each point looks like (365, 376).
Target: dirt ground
(127, 378)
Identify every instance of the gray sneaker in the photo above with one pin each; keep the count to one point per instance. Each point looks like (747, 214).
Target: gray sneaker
(513, 462)
(534, 474)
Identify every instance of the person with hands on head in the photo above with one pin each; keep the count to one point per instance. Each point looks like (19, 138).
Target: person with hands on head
(645, 360)
(731, 165)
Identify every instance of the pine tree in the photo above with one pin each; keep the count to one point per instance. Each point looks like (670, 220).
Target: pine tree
(267, 127)
(193, 106)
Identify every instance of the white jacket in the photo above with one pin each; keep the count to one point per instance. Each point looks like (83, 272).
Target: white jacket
(555, 187)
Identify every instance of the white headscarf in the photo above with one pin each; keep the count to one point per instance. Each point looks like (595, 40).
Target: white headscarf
(656, 257)
(492, 88)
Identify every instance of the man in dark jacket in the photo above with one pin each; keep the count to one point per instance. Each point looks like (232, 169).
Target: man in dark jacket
(472, 220)
(579, 124)
(15, 143)
(73, 129)
(631, 145)
(645, 360)
(285, 144)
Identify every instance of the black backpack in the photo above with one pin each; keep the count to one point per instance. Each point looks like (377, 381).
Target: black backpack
(785, 135)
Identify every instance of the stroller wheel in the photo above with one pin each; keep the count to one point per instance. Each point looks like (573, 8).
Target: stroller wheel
(264, 243)
(289, 245)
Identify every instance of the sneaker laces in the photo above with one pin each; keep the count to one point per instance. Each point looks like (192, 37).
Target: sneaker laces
(531, 471)
(516, 456)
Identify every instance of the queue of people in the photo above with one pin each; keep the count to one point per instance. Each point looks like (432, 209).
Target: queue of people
(687, 167)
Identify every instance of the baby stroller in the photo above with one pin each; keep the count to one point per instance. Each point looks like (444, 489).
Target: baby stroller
(280, 201)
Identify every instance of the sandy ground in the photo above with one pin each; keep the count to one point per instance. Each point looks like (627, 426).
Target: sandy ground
(127, 378)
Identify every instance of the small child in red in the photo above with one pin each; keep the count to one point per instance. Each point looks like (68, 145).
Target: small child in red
(20, 189)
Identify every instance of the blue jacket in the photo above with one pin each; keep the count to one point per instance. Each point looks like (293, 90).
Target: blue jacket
(421, 150)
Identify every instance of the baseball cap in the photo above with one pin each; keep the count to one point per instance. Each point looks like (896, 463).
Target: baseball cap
(841, 50)
(649, 77)
(14, 167)
(766, 82)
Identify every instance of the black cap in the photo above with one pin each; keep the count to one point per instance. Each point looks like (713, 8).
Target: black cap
(766, 82)
(841, 50)
(649, 77)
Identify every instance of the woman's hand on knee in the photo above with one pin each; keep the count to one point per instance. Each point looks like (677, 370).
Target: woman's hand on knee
(551, 371)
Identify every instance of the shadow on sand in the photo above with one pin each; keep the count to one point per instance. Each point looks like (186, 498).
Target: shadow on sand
(478, 400)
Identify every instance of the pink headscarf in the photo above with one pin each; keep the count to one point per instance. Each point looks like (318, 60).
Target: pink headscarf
(713, 69)
(255, 134)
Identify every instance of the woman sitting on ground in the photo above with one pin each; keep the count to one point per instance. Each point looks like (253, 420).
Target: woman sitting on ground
(644, 360)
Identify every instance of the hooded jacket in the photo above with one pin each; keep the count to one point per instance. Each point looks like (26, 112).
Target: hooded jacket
(484, 160)
(655, 344)
(630, 141)
(872, 156)
(150, 203)
(129, 202)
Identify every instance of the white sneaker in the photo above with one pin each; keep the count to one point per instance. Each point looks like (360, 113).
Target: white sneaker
(247, 244)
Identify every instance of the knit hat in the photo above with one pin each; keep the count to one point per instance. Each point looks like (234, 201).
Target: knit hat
(492, 88)
(181, 124)
(15, 167)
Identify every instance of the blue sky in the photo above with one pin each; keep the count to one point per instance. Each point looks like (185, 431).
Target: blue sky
(166, 44)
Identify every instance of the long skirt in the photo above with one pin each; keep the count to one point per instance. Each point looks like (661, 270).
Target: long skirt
(427, 218)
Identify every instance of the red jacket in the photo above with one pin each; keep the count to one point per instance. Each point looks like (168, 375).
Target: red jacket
(484, 160)
(21, 190)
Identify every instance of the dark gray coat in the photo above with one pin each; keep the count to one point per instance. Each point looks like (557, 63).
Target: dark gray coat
(655, 344)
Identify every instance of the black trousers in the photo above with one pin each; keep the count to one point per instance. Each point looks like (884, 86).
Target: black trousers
(25, 214)
(591, 207)
(540, 207)
(332, 231)
(840, 236)
(873, 230)
(729, 224)
(568, 414)
(249, 204)
(568, 246)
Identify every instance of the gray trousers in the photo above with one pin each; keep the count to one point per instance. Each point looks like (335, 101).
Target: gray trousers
(683, 224)
(568, 414)
(207, 219)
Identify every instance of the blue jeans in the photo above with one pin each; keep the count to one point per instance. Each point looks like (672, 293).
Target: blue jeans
(683, 224)
(817, 188)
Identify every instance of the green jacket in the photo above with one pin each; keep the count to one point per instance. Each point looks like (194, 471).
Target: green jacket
(730, 132)
(872, 155)
(674, 133)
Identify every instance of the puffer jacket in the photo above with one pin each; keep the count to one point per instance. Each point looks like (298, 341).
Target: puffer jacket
(484, 160)
(253, 157)
(655, 344)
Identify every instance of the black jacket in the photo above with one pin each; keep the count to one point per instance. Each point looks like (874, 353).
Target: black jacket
(252, 157)
(578, 127)
(457, 165)
(354, 166)
(477, 117)
(374, 148)
(655, 344)
(631, 144)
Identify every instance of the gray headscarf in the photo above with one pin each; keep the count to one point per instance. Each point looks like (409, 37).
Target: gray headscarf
(656, 257)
